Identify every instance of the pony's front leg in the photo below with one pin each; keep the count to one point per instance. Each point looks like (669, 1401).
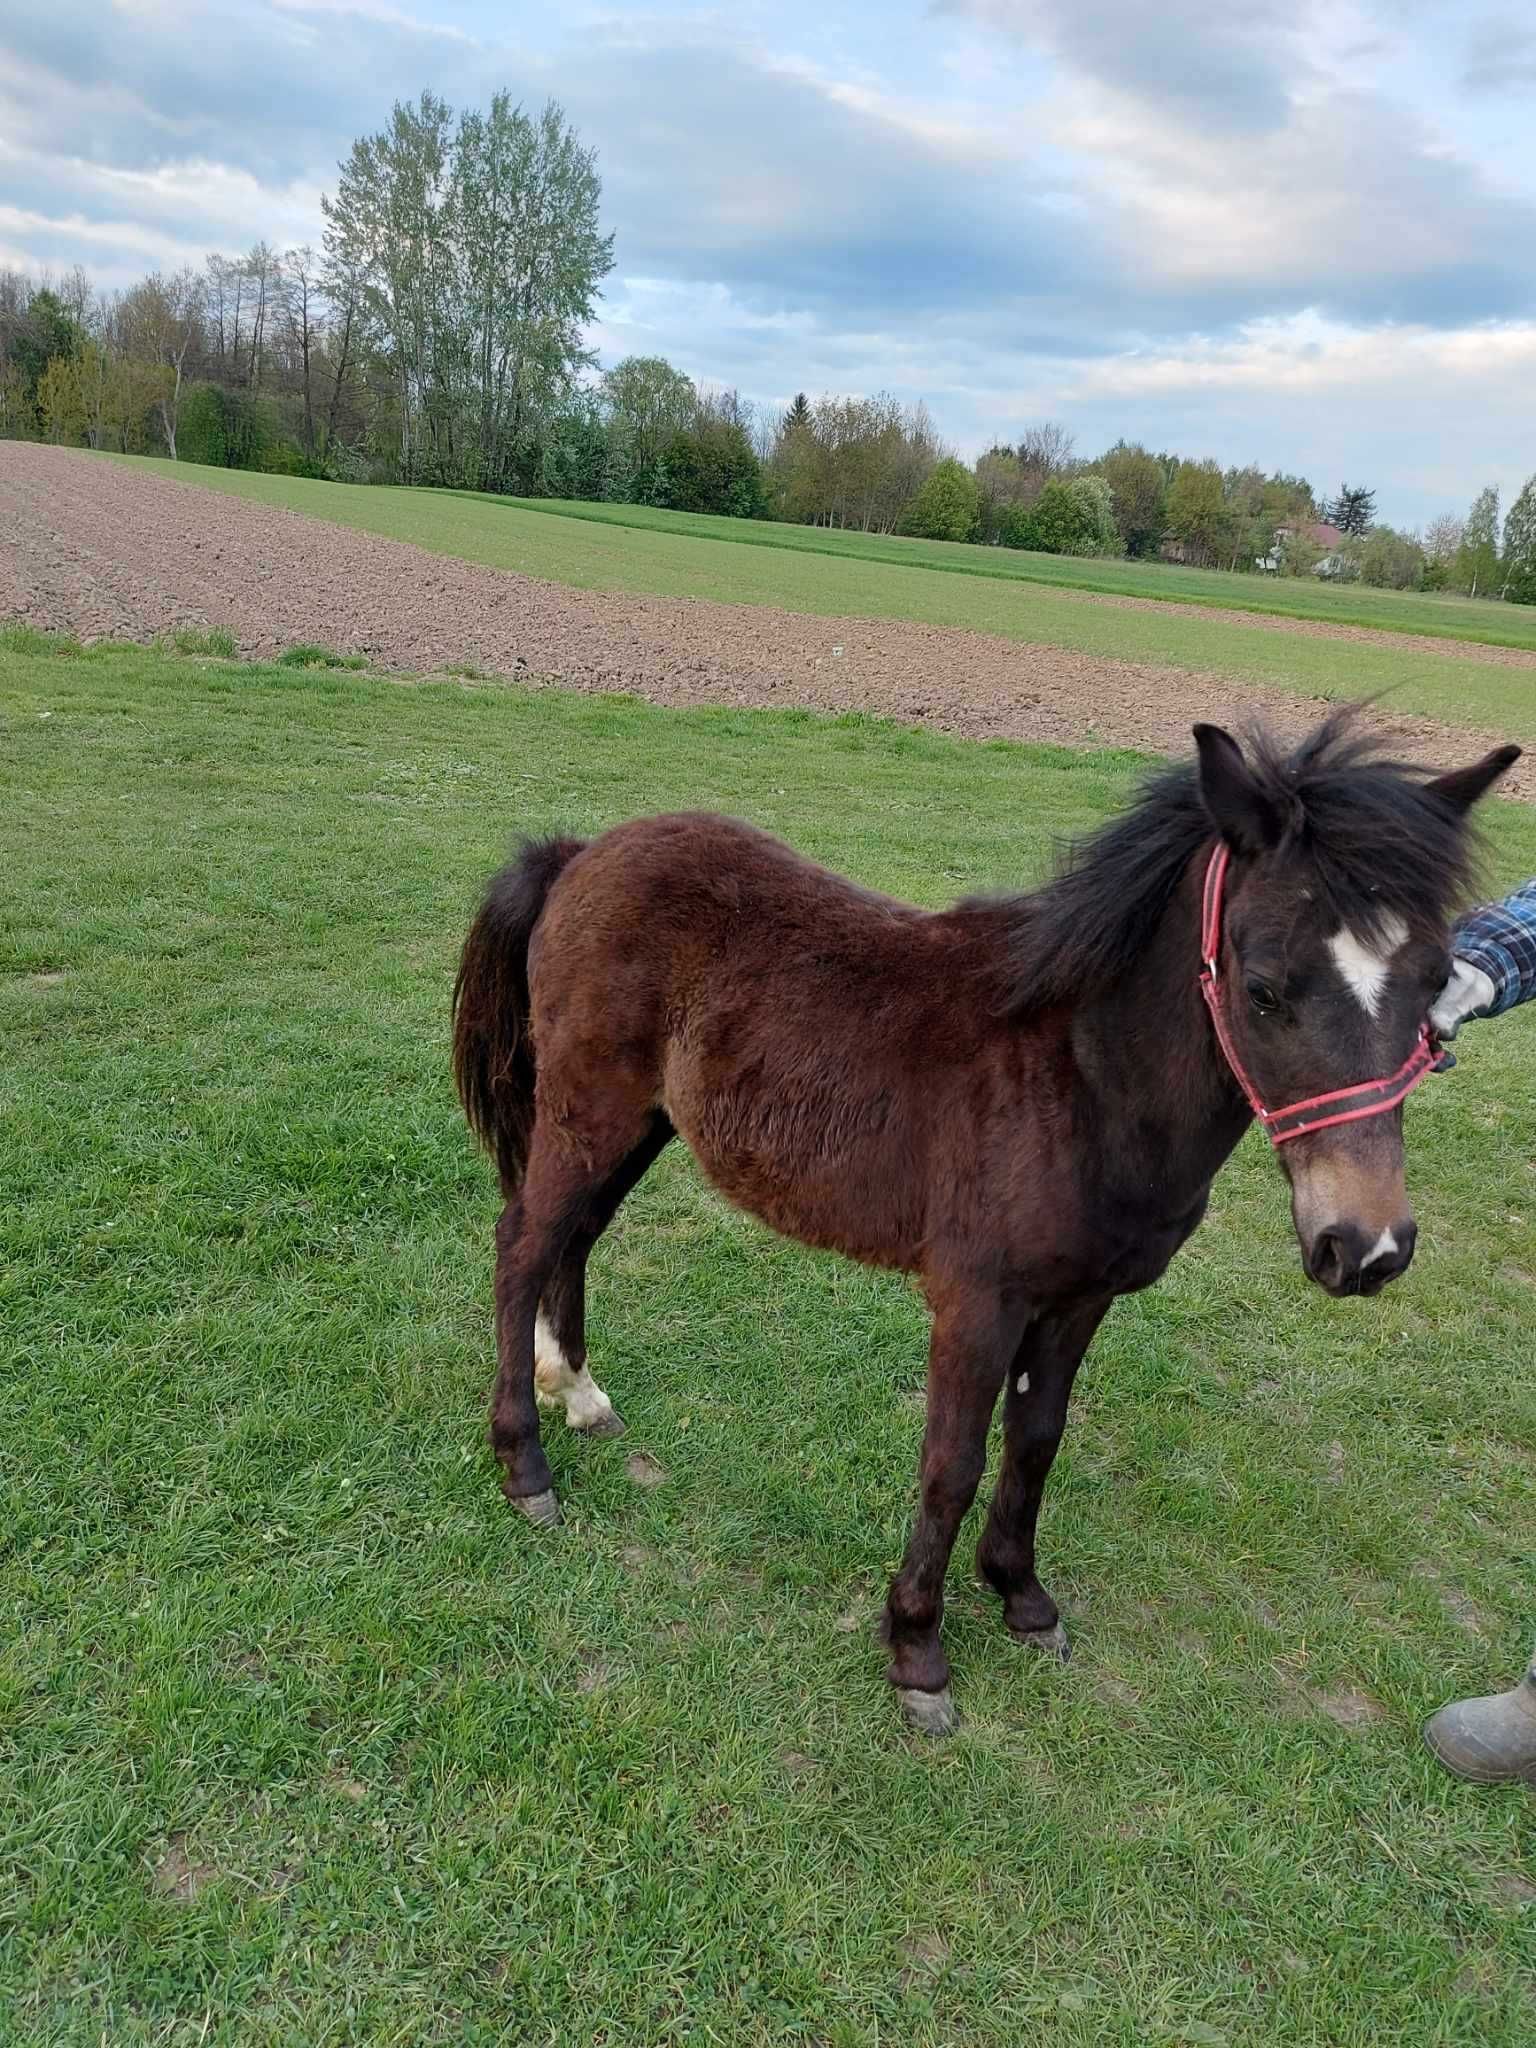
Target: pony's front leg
(975, 1334)
(1034, 1416)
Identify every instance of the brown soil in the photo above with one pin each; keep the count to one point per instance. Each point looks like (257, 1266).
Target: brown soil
(105, 552)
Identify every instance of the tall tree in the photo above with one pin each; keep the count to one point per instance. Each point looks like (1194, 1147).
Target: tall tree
(531, 255)
(160, 322)
(263, 271)
(1198, 512)
(1140, 493)
(1442, 538)
(477, 254)
(341, 281)
(1519, 563)
(388, 224)
(1045, 450)
(1477, 559)
(301, 314)
(45, 331)
(648, 402)
(1003, 486)
(1353, 509)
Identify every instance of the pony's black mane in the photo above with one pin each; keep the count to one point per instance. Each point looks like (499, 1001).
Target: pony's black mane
(1376, 840)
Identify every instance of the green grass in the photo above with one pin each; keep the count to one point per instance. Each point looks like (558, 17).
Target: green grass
(309, 656)
(806, 570)
(305, 1739)
(214, 640)
(1446, 616)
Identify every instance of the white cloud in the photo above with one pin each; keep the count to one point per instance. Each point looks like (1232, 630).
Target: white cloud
(388, 17)
(1295, 234)
(1305, 356)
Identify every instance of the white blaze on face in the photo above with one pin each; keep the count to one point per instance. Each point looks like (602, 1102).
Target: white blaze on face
(558, 1386)
(1383, 1248)
(1364, 964)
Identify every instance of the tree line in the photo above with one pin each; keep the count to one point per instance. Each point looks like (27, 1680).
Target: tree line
(437, 337)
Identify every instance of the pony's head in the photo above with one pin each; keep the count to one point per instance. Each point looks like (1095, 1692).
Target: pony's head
(1343, 869)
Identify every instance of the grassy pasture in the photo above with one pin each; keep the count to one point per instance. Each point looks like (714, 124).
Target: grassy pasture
(303, 1739)
(739, 562)
(1445, 615)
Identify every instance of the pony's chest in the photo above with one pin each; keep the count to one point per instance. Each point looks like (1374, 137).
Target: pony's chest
(1130, 1246)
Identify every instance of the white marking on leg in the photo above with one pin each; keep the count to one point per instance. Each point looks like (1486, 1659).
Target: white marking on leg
(1021, 1384)
(1383, 1248)
(1364, 965)
(558, 1386)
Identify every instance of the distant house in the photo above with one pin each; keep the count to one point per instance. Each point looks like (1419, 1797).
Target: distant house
(1319, 532)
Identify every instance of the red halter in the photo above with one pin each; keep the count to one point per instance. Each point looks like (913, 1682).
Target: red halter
(1317, 1112)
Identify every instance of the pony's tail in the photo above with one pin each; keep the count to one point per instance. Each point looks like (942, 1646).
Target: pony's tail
(493, 1063)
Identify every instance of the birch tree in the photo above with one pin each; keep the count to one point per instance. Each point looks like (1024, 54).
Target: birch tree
(161, 322)
(532, 257)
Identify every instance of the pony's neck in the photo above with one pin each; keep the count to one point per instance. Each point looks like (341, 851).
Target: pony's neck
(1147, 1049)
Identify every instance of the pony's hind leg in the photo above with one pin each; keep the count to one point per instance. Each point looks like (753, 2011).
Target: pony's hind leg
(562, 1376)
(566, 1169)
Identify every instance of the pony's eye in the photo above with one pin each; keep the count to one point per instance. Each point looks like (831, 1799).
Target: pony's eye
(1262, 997)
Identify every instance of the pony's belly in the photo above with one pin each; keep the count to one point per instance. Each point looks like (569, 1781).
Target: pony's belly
(842, 1190)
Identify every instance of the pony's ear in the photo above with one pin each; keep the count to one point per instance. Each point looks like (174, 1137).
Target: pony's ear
(1238, 808)
(1463, 786)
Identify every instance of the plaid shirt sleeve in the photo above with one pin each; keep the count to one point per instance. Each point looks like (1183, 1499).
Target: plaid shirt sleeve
(1501, 940)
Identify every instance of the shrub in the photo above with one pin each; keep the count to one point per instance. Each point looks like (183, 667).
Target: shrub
(1391, 560)
(1072, 516)
(214, 640)
(20, 639)
(224, 429)
(947, 507)
(318, 657)
(287, 458)
(710, 467)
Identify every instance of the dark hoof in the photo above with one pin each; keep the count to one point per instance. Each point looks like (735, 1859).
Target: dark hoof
(1052, 1642)
(611, 1424)
(928, 1713)
(542, 1509)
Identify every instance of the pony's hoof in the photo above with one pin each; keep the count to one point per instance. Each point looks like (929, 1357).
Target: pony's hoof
(542, 1509)
(611, 1424)
(1052, 1642)
(929, 1713)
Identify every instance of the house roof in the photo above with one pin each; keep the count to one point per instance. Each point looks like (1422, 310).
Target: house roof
(1318, 531)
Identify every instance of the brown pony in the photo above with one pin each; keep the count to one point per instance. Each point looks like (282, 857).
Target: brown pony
(1021, 1101)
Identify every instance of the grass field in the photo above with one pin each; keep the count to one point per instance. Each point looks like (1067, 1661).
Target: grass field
(1447, 616)
(755, 564)
(304, 1739)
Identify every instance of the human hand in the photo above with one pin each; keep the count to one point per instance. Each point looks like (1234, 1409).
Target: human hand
(1468, 993)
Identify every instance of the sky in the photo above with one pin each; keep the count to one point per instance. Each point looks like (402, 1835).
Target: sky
(1295, 232)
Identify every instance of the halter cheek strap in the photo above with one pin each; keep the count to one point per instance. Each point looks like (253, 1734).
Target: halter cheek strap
(1315, 1112)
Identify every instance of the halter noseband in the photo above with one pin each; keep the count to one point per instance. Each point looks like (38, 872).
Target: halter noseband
(1317, 1112)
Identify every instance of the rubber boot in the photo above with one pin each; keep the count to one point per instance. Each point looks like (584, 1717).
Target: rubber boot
(1490, 1741)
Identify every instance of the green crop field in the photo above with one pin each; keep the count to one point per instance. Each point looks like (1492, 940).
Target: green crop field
(804, 570)
(1447, 615)
(305, 1739)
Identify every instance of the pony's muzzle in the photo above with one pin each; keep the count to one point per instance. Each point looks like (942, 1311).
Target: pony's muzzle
(1345, 1259)
(1353, 1218)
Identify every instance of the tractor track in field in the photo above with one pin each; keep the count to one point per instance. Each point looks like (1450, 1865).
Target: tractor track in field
(105, 552)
